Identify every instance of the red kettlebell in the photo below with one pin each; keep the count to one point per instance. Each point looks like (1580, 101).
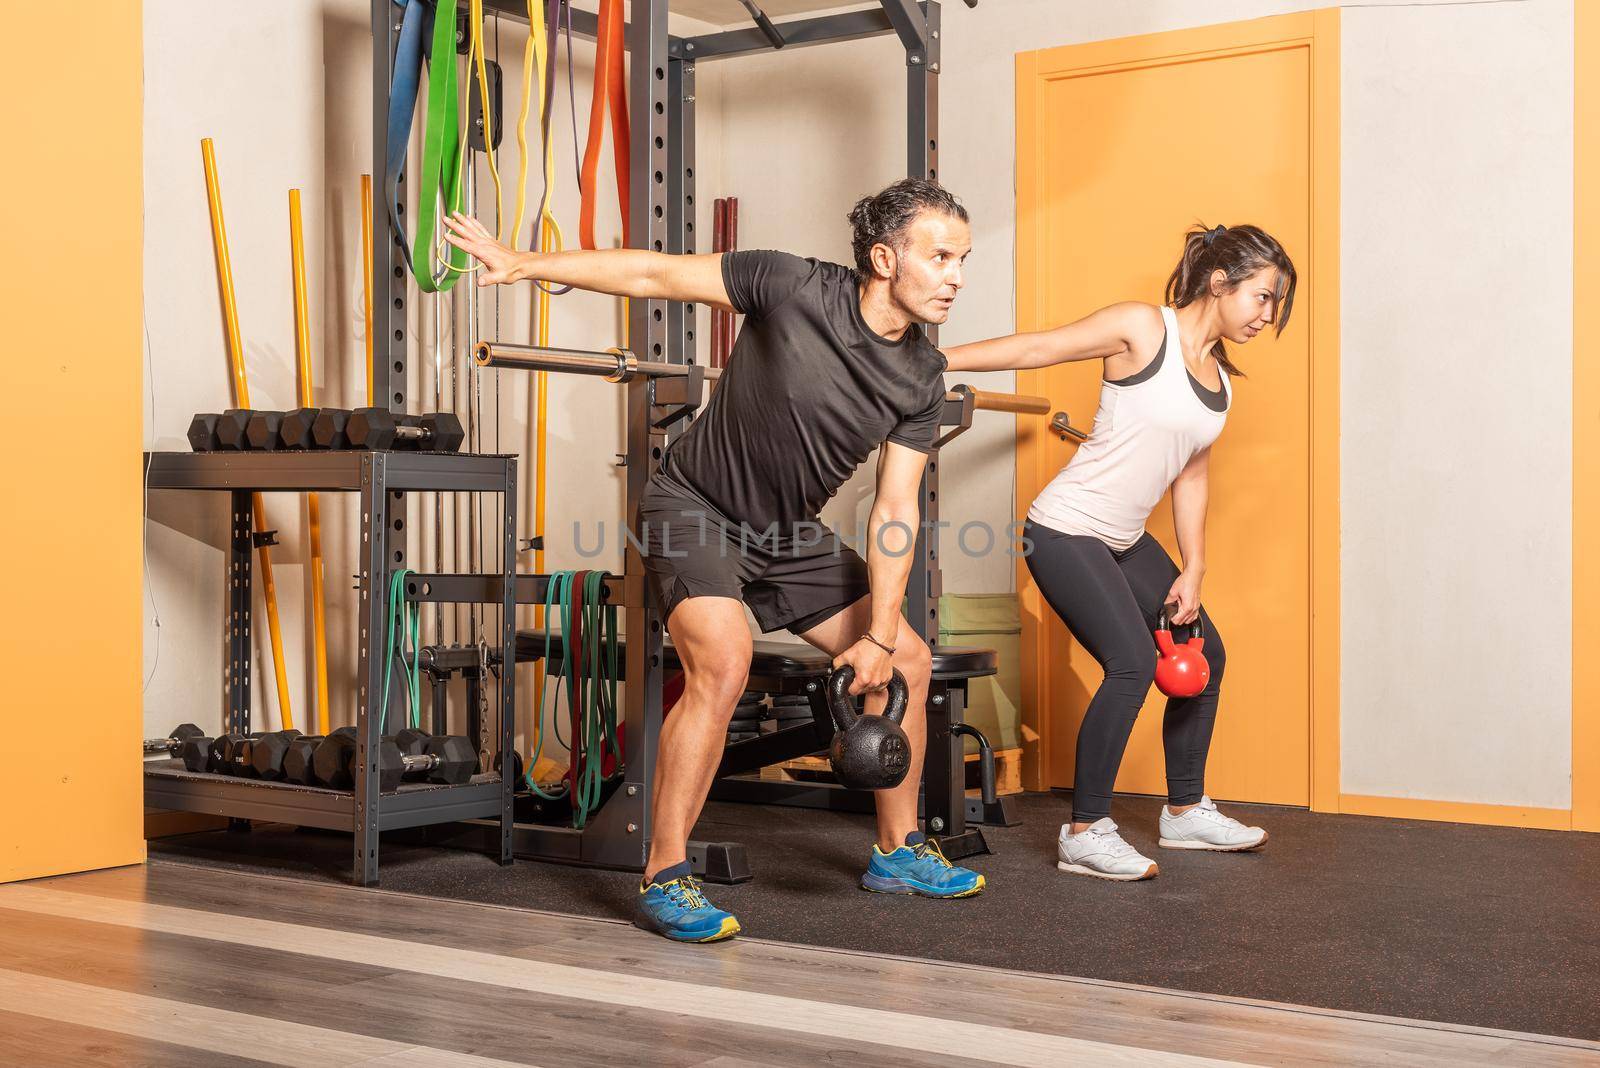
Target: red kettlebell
(1182, 670)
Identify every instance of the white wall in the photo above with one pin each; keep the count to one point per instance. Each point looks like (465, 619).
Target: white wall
(285, 91)
(1457, 133)
(1457, 415)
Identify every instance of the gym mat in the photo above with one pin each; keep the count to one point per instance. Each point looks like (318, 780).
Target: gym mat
(1487, 926)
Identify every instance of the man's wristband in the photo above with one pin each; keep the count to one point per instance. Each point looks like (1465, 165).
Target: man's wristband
(886, 648)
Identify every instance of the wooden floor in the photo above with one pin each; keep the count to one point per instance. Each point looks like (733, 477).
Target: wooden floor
(173, 965)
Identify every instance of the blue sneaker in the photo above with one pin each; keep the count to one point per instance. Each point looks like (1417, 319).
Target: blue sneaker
(673, 906)
(919, 868)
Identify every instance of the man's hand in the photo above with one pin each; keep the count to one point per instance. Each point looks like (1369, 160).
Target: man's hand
(470, 235)
(872, 666)
(1185, 593)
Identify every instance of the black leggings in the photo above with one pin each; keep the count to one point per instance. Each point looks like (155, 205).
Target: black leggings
(1109, 600)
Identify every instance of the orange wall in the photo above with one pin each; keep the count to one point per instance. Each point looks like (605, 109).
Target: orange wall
(1586, 425)
(70, 632)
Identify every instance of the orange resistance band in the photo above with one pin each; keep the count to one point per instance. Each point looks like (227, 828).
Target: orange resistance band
(610, 90)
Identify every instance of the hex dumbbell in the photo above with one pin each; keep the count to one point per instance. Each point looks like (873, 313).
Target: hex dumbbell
(446, 759)
(187, 742)
(173, 742)
(297, 431)
(233, 428)
(298, 761)
(268, 752)
(262, 431)
(327, 429)
(203, 432)
(235, 754)
(379, 428)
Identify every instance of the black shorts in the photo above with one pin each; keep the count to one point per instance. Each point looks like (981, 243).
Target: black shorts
(793, 581)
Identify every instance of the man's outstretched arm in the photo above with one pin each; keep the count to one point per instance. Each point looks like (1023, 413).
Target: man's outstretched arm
(621, 272)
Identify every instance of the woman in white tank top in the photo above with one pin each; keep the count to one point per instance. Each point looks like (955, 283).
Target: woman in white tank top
(1164, 399)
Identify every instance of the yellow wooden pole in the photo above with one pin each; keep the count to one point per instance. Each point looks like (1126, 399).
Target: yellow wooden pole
(366, 275)
(302, 355)
(241, 393)
(549, 238)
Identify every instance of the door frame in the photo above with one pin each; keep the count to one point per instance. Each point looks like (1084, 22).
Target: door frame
(1318, 33)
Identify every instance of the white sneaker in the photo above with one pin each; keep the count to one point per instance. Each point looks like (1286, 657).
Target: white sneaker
(1101, 852)
(1203, 827)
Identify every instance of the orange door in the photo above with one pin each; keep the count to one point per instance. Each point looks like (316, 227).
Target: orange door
(1123, 146)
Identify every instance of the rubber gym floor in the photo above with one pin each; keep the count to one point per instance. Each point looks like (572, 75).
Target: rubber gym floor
(1483, 926)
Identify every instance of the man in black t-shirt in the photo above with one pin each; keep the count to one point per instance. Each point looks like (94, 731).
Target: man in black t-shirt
(830, 364)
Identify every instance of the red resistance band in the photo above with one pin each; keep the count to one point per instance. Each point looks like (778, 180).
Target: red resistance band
(610, 93)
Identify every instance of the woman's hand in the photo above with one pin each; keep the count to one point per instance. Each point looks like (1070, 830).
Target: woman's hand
(1185, 593)
(470, 235)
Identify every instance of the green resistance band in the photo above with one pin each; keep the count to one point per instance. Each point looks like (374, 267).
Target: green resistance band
(590, 672)
(407, 617)
(557, 602)
(441, 158)
(598, 697)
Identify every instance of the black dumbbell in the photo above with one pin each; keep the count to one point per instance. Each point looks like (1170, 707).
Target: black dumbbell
(188, 742)
(234, 753)
(297, 762)
(412, 741)
(203, 432)
(516, 768)
(173, 742)
(379, 428)
(268, 752)
(196, 753)
(220, 750)
(296, 430)
(330, 763)
(233, 427)
(262, 433)
(450, 760)
(327, 429)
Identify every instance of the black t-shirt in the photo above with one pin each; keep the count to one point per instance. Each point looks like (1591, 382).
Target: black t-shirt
(808, 393)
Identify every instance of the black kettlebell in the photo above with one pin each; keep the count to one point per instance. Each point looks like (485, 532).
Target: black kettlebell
(868, 752)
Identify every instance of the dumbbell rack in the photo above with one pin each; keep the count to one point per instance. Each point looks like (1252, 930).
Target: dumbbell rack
(382, 479)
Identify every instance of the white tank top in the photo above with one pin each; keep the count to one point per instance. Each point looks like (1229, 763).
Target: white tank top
(1144, 434)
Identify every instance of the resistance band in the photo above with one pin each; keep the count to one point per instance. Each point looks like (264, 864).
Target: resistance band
(302, 352)
(588, 666)
(610, 92)
(441, 157)
(402, 108)
(405, 616)
(241, 396)
(476, 64)
(545, 222)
